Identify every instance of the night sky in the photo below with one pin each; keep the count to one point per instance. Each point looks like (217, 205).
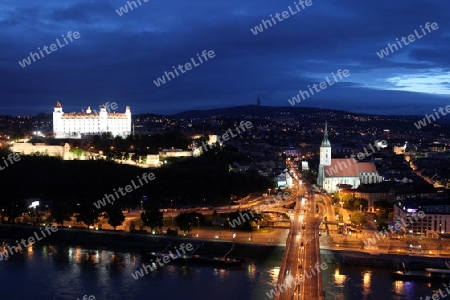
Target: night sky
(117, 58)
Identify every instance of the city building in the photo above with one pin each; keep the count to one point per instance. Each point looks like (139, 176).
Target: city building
(43, 149)
(338, 171)
(436, 220)
(74, 125)
(284, 180)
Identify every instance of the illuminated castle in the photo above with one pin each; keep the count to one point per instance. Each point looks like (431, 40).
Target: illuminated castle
(74, 125)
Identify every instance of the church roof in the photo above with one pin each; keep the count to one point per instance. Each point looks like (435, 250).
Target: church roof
(325, 143)
(347, 167)
(366, 167)
(58, 104)
(342, 167)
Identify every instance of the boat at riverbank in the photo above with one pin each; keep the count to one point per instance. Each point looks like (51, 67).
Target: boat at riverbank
(199, 259)
(437, 271)
(429, 275)
(217, 261)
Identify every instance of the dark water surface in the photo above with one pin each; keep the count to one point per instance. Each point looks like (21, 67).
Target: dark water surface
(56, 272)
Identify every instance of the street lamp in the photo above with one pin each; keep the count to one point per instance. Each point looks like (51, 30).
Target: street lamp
(198, 225)
(269, 189)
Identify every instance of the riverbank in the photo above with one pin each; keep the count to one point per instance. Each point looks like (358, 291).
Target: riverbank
(381, 260)
(122, 241)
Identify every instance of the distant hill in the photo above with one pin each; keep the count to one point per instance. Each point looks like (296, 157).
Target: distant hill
(260, 111)
(247, 110)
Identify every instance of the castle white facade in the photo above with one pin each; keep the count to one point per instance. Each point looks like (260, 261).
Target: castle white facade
(74, 125)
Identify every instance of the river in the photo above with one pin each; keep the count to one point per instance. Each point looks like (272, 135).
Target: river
(63, 272)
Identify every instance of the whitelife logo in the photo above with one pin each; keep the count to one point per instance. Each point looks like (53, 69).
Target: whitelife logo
(85, 297)
(422, 123)
(12, 158)
(108, 106)
(28, 242)
(27, 61)
(187, 66)
(284, 15)
(228, 134)
(322, 86)
(290, 281)
(165, 260)
(128, 189)
(244, 215)
(124, 9)
(411, 38)
(397, 227)
(341, 165)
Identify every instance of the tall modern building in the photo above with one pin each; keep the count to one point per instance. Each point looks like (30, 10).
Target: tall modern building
(76, 124)
(334, 172)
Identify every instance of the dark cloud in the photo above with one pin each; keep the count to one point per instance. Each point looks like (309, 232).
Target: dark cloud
(118, 57)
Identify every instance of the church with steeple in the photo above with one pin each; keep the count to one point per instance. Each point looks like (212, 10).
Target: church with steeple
(337, 172)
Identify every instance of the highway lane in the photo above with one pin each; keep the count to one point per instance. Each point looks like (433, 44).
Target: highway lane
(289, 268)
(301, 260)
(311, 287)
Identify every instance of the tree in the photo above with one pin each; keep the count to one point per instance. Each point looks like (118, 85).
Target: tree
(152, 217)
(14, 209)
(381, 226)
(88, 215)
(247, 219)
(115, 216)
(185, 221)
(61, 212)
(358, 218)
(126, 156)
(77, 152)
(107, 135)
(135, 158)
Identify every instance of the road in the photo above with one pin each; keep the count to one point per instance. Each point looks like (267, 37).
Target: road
(302, 252)
(312, 287)
(292, 253)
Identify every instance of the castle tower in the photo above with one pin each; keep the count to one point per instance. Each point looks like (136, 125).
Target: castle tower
(103, 119)
(325, 156)
(58, 126)
(128, 123)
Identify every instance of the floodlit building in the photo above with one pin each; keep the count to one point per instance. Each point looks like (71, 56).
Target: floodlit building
(337, 171)
(436, 218)
(74, 125)
(43, 149)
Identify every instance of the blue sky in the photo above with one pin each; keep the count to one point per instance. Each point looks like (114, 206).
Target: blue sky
(117, 57)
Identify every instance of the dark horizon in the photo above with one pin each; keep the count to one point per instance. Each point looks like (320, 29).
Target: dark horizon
(227, 108)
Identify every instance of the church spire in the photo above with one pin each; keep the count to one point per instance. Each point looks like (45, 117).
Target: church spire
(325, 141)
